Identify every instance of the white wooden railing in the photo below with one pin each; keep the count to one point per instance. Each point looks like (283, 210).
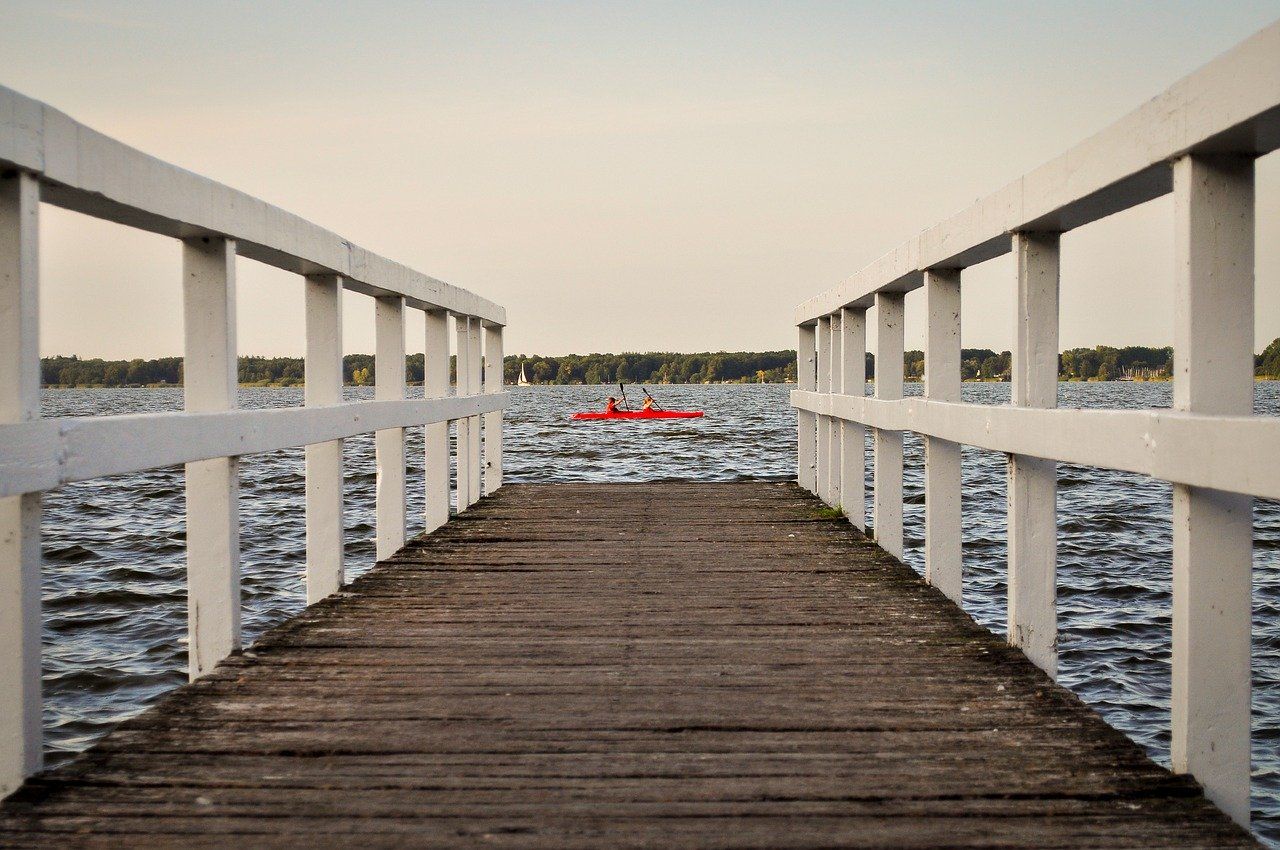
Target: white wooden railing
(47, 157)
(1198, 140)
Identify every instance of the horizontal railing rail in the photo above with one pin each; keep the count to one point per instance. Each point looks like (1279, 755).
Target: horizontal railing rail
(87, 172)
(1182, 448)
(46, 453)
(45, 157)
(1232, 105)
(1198, 141)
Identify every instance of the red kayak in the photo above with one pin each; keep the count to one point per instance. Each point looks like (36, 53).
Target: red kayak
(641, 414)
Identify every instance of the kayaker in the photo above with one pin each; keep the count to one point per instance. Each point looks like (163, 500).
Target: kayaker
(648, 402)
(611, 406)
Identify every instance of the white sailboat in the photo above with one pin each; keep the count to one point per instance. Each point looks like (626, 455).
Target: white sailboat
(523, 380)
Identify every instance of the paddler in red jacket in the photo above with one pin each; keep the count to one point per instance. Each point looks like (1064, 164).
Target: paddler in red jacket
(611, 406)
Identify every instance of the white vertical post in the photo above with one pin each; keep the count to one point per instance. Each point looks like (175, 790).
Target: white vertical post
(1212, 530)
(887, 500)
(435, 384)
(462, 380)
(492, 421)
(942, 558)
(20, 699)
(824, 422)
(323, 367)
(475, 362)
(836, 431)
(853, 449)
(213, 486)
(389, 443)
(806, 422)
(1033, 482)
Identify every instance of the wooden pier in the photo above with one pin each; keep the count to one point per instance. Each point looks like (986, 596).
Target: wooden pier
(583, 665)
(660, 664)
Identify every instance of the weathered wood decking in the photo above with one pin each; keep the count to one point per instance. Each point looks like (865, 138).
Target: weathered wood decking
(665, 665)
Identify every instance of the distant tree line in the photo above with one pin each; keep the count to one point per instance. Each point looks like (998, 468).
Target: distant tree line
(1103, 363)
(357, 370)
(74, 372)
(1267, 364)
(976, 364)
(773, 367)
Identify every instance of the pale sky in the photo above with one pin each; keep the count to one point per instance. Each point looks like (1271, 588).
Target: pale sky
(620, 176)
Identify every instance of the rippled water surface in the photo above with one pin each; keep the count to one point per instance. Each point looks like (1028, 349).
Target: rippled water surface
(115, 588)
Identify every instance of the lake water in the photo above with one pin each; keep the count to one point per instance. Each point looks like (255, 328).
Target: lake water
(115, 587)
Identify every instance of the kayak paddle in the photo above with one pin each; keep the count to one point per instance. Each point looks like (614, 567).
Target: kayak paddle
(650, 395)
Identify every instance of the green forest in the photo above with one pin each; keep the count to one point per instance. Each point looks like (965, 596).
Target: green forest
(1102, 363)
(738, 367)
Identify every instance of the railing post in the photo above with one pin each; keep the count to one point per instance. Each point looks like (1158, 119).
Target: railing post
(887, 500)
(388, 367)
(462, 473)
(435, 384)
(492, 421)
(20, 695)
(942, 550)
(1033, 482)
(836, 430)
(806, 422)
(824, 422)
(213, 486)
(475, 386)
(323, 365)
(853, 447)
(1212, 530)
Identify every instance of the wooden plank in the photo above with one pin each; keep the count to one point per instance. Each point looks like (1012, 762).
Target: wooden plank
(673, 664)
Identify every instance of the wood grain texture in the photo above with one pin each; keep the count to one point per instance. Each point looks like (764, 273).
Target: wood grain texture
(661, 665)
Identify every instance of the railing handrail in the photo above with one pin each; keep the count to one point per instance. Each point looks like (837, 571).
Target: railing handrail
(44, 454)
(1232, 103)
(46, 157)
(1159, 443)
(1198, 140)
(81, 169)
